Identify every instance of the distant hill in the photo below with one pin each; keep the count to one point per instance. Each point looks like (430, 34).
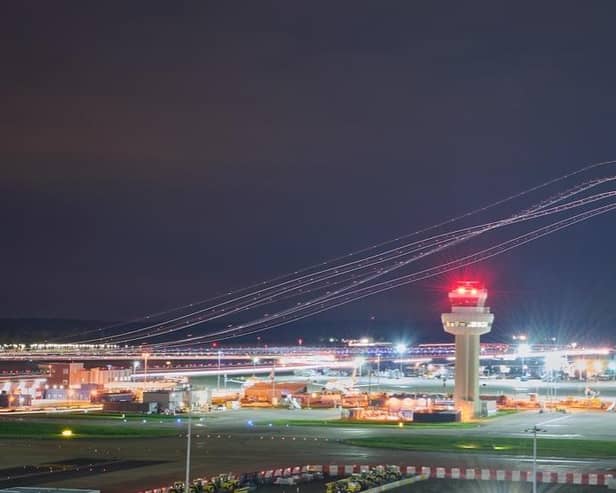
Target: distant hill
(27, 330)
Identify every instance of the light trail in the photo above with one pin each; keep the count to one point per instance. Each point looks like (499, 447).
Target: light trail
(357, 294)
(385, 286)
(262, 292)
(438, 243)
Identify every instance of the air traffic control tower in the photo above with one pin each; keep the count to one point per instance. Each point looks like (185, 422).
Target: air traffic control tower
(468, 319)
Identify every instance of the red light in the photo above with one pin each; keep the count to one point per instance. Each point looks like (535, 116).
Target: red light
(470, 287)
(467, 293)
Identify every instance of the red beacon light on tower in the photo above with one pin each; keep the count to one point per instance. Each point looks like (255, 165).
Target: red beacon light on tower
(468, 293)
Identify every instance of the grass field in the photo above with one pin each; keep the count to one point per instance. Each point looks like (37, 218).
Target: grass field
(37, 429)
(546, 447)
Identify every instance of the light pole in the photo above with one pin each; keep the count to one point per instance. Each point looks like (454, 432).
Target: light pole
(401, 349)
(378, 372)
(534, 430)
(359, 361)
(524, 352)
(218, 376)
(553, 365)
(255, 360)
(188, 439)
(612, 367)
(273, 382)
(145, 368)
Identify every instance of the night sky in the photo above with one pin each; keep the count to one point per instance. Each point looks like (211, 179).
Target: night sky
(157, 153)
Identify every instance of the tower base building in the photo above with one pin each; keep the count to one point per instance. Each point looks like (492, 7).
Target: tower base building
(468, 320)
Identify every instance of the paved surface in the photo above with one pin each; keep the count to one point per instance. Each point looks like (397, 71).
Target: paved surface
(225, 442)
(447, 486)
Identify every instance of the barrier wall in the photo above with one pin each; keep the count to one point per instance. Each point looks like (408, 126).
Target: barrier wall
(434, 472)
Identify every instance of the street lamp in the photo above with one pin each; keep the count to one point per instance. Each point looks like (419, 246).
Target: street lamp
(145, 368)
(218, 376)
(378, 372)
(524, 352)
(273, 376)
(359, 361)
(534, 430)
(612, 367)
(553, 364)
(401, 349)
(188, 439)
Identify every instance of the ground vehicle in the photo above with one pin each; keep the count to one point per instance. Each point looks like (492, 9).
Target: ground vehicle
(219, 484)
(364, 480)
(347, 485)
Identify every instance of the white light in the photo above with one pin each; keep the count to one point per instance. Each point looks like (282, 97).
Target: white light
(401, 348)
(553, 361)
(523, 349)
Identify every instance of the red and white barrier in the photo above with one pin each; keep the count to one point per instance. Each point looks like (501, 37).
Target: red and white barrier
(483, 474)
(437, 472)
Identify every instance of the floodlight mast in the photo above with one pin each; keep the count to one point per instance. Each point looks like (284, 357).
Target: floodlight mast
(469, 318)
(188, 440)
(534, 430)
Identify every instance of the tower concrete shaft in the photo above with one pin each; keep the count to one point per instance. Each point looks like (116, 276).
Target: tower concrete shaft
(467, 321)
(467, 349)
